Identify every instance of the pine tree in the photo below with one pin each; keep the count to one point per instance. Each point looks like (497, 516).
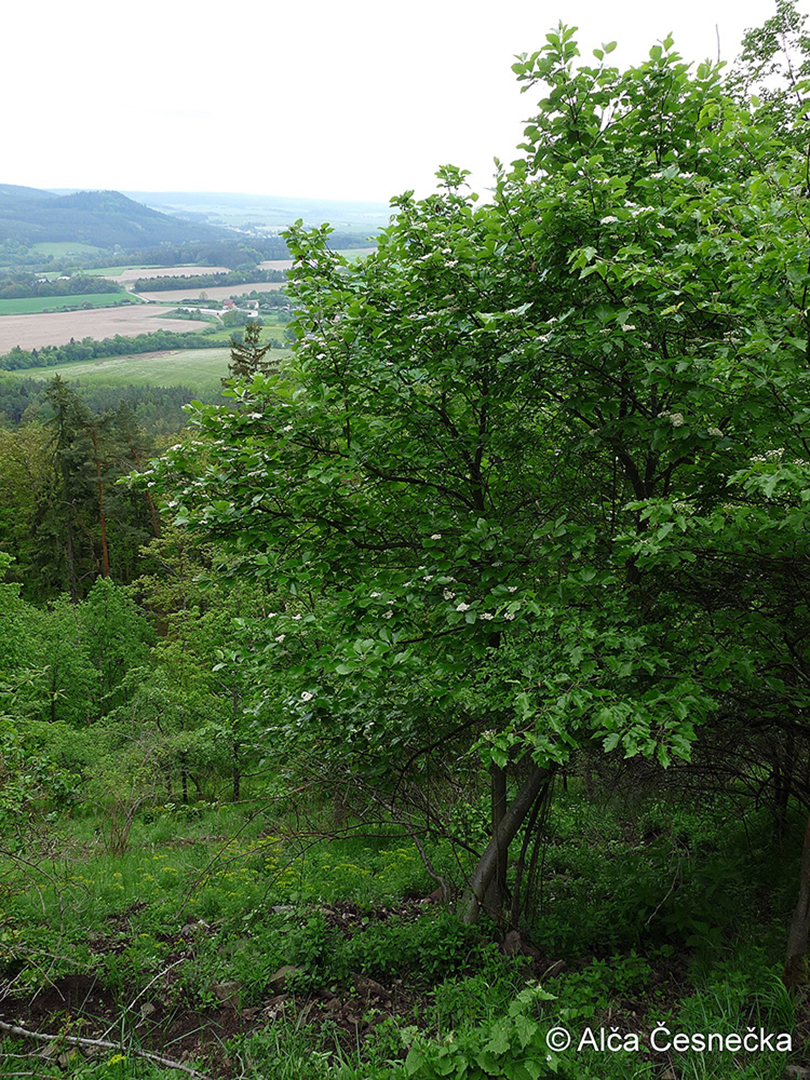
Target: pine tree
(248, 356)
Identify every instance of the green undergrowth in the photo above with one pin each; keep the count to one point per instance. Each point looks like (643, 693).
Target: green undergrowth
(657, 913)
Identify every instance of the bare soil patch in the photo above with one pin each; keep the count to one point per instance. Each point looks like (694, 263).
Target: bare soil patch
(57, 328)
(216, 292)
(276, 264)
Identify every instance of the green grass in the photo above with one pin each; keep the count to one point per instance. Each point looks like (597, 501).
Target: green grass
(199, 368)
(130, 919)
(35, 305)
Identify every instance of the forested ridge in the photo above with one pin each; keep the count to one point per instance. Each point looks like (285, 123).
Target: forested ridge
(100, 218)
(206, 281)
(437, 705)
(13, 286)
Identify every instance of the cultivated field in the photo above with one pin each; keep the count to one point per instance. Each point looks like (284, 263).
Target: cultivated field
(200, 369)
(33, 305)
(34, 331)
(124, 275)
(275, 264)
(117, 271)
(217, 292)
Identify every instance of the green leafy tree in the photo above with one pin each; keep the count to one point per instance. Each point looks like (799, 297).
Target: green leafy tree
(208, 623)
(507, 438)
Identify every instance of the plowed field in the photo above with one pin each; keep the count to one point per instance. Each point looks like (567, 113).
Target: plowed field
(215, 292)
(34, 331)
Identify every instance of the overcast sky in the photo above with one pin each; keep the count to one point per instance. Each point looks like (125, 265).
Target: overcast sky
(344, 99)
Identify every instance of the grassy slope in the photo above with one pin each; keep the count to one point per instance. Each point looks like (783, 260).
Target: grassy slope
(200, 368)
(186, 915)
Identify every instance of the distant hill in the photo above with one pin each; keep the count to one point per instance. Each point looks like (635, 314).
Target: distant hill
(267, 211)
(11, 193)
(104, 219)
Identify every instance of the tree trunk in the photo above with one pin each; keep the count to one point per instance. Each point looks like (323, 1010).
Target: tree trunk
(498, 846)
(237, 774)
(102, 517)
(184, 777)
(795, 973)
(496, 890)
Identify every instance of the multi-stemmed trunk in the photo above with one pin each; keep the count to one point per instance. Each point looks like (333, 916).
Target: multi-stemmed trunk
(487, 885)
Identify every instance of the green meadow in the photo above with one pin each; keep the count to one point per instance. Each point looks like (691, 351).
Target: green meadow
(35, 305)
(199, 368)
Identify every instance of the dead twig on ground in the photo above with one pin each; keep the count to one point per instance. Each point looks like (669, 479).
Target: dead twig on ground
(103, 1044)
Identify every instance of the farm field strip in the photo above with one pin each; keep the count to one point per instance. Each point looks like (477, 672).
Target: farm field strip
(200, 369)
(57, 328)
(33, 305)
(217, 292)
(123, 274)
(119, 272)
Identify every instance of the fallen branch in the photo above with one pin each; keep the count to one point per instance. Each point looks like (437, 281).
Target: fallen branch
(103, 1044)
